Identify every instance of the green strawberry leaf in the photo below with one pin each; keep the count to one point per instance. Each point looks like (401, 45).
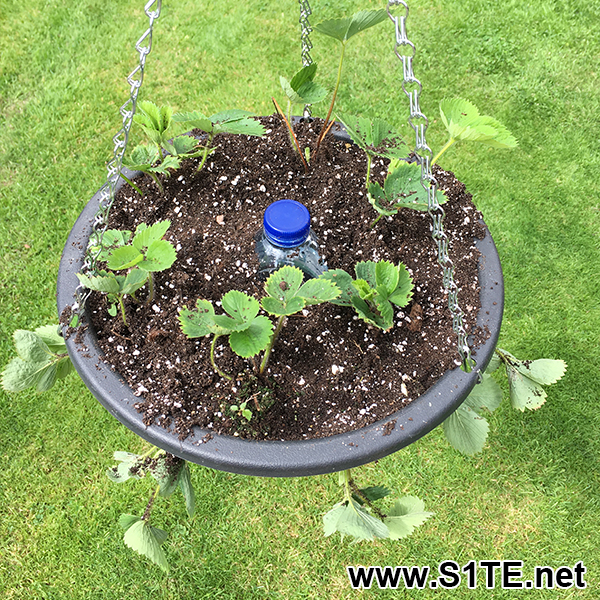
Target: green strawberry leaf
(124, 257)
(386, 275)
(316, 291)
(351, 519)
(184, 144)
(524, 392)
(128, 467)
(105, 282)
(145, 540)
(466, 430)
(241, 307)
(166, 470)
(134, 280)
(343, 281)
(284, 283)
(407, 514)
(160, 256)
(278, 308)
(253, 339)
(185, 484)
(201, 321)
(486, 394)
(373, 493)
(343, 29)
(374, 137)
(31, 347)
(145, 236)
(544, 371)
(366, 270)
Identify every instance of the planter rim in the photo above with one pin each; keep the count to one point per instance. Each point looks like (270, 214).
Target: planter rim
(280, 458)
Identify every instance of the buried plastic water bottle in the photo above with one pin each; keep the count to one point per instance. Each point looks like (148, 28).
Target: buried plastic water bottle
(287, 239)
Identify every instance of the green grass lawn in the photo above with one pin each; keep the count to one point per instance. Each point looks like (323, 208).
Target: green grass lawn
(532, 495)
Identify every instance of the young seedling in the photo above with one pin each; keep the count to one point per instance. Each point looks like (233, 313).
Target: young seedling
(342, 30)
(116, 287)
(302, 88)
(287, 295)
(231, 121)
(145, 159)
(248, 333)
(377, 287)
(41, 360)
(147, 253)
(463, 122)
(170, 474)
(359, 517)
(242, 410)
(466, 429)
(401, 189)
(375, 138)
(163, 130)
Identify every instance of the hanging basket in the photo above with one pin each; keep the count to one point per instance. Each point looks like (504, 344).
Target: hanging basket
(278, 458)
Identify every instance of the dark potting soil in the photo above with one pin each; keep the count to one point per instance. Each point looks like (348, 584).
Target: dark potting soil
(330, 372)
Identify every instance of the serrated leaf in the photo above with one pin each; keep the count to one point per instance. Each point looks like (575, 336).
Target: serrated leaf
(241, 307)
(160, 256)
(199, 322)
(343, 281)
(316, 291)
(374, 136)
(122, 472)
(402, 189)
(351, 519)
(343, 29)
(386, 275)
(230, 115)
(280, 309)
(466, 430)
(64, 367)
(31, 347)
(365, 269)
(463, 122)
(184, 144)
(304, 75)
(365, 291)
(486, 394)
(48, 375)
(494, 363)
(284, 283)
(149, 115)
(185, 484)
(241, 127)
(252, 340)
(124, 257)
(407, 514)
(374, 493)
(544, 371)
(126, 521)
(106, 282)
(19, 375)
(146, 540)
(524, 392)
(403, 293)
(111, 239)
(194, 120)
(51, 336)
(142, 156)
(146, 235)
(134, 280)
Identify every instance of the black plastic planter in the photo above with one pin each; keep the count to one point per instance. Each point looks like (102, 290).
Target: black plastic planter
(273, 458)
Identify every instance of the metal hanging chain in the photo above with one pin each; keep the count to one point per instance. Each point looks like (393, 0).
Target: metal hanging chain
(107, 191)
(405, 51)
(305, 31)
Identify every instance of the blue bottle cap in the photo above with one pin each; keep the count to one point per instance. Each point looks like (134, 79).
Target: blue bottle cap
(286, 223)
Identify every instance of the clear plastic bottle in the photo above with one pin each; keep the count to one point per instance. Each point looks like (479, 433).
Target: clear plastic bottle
(287, 239)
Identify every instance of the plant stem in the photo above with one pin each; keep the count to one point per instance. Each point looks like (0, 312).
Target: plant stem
(357, 491)
(150, 287)
(212, 359)
(146, 514)
(157, 181)
(448, 144)
(265, 360)
(206, 149)
(293, 138)
(369, 161)
(335, 91)
(122, 305)
(135, 187)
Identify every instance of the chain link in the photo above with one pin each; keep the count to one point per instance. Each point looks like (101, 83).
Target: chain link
(405, 51)
(114, 166)
(305, 31)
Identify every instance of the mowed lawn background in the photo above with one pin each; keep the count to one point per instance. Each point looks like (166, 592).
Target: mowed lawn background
(532, 495)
